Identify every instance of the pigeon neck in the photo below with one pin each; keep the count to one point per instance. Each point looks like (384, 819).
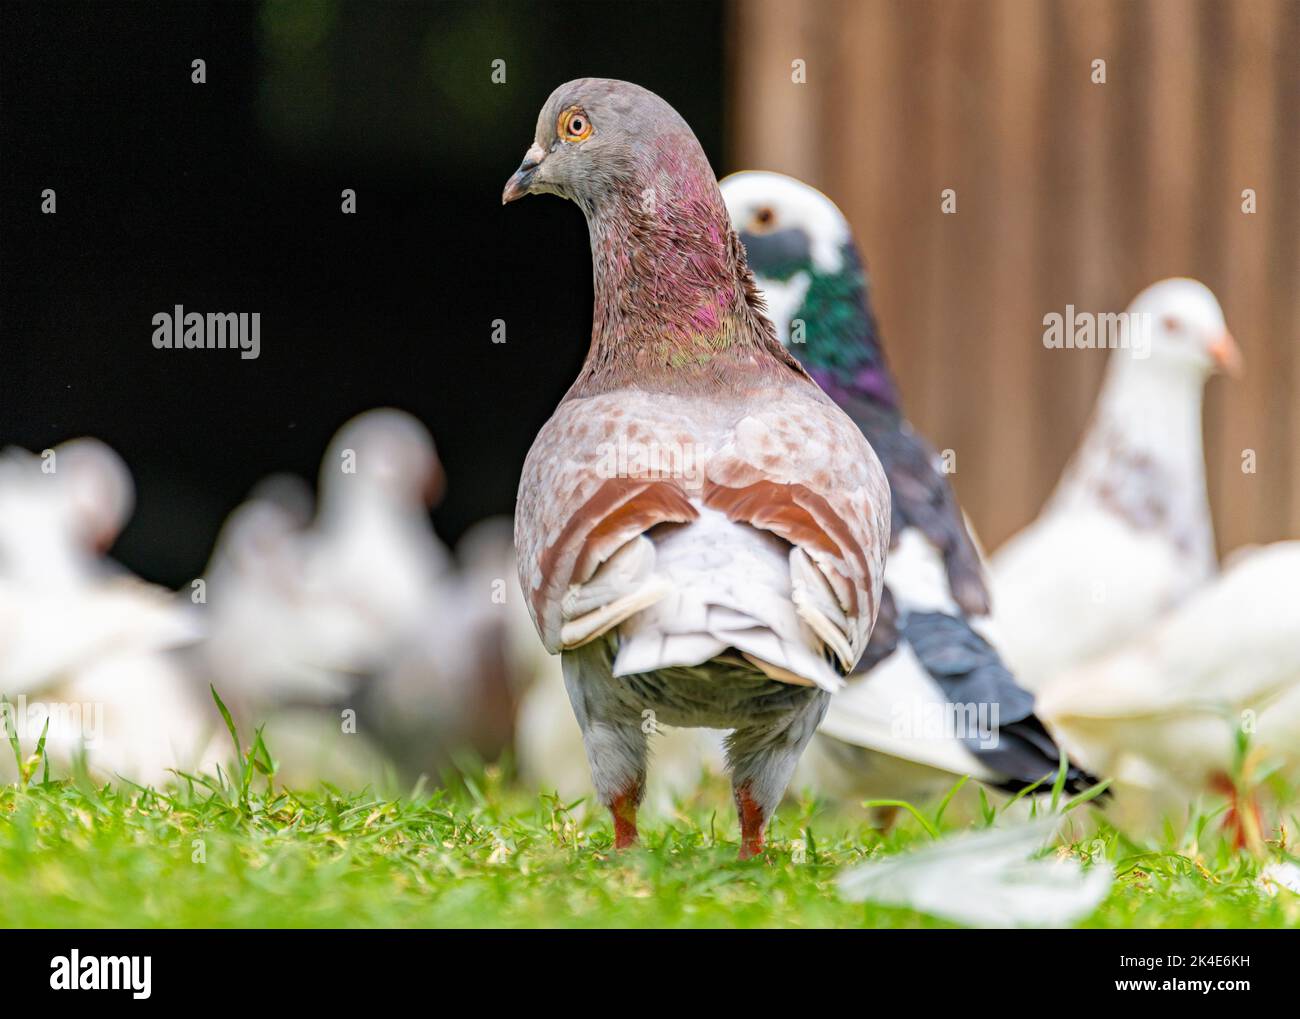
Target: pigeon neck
(48, 561)
(353, 510)
(837, 338)
(675, 304)
(1142, 457)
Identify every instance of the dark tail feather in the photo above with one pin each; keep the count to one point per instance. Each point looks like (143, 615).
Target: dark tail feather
(1025, 754)
(970, 671)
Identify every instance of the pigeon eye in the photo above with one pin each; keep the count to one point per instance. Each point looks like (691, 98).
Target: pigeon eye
(1171, 324)
(764, 219)
(574, 125)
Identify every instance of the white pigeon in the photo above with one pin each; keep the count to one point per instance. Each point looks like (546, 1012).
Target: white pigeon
(1127, 533)
(270, 638)
(372, 537)
(82, 642)
(61, 511)
(931, 700)
(350, 633)
(452, 694)
(1162, 714)
(299, 612)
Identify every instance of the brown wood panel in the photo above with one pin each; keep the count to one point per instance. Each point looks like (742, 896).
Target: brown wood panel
(1239, 411)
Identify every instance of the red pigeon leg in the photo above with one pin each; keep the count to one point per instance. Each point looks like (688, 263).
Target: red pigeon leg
(1243, 818)
(752, 823)
(623, 808)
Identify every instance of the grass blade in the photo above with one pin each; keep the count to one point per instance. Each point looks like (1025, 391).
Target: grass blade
(930, 829)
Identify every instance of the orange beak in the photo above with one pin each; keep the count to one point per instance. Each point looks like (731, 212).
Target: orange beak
(1227, 355)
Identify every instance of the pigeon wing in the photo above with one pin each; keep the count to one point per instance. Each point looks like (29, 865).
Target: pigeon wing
(786, 461)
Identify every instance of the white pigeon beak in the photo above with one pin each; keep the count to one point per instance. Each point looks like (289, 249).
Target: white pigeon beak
(1227, 355)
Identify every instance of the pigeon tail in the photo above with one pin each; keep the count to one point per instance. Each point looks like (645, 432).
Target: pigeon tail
(971, 675)
(730, 587)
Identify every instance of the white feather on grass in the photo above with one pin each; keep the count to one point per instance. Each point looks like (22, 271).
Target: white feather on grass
(989, 878)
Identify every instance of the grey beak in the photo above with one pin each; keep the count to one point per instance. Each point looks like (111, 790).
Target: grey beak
(518, 185)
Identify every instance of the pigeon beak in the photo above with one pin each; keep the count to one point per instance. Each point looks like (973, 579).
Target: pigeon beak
(1227, 355)
(519, 185)
(434, 485)
(102, 540)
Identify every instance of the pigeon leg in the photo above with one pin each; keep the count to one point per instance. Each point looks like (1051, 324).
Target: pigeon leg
(1243, 818)
(624, 811)
(762, 759)
(753, 821)
(612, 735)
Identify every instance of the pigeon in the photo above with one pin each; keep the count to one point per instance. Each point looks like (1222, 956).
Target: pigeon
(454, 690)
(551, 756)
(934, 699)
(372, 537)
(303, 609)
(1127, 533)
(1163, 714)
(271, 638)
(353, 620)
(83, 642)
(701, 532)
(61, 510)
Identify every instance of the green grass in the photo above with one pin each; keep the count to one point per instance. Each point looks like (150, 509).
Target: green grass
(238, 850)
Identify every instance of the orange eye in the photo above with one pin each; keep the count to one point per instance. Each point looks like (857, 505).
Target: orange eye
(574, 125)
(764, 219)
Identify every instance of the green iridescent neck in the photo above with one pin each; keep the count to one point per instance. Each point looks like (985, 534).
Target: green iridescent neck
(840, 345)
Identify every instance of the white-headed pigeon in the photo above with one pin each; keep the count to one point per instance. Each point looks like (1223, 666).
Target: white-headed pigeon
(931, 699)
(1127, 533)
(84, 643)
(306, 611)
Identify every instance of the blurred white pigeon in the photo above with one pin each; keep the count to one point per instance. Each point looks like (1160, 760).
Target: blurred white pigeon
(357, 615)
(82, 642)
(372, 537)
(1127, 534)
(300, 612)
(270, 638)
(61, 511)
(451, 696)
(1161, 715)
(985, 879)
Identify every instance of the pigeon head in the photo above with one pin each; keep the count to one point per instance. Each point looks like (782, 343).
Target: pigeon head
(1185, 330)
(801, 251)
(61, 510)
(600, 143)
(674, 298)
(382, 454)
(98, 490)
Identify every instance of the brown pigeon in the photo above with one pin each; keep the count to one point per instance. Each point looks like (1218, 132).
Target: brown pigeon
(701, 532)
